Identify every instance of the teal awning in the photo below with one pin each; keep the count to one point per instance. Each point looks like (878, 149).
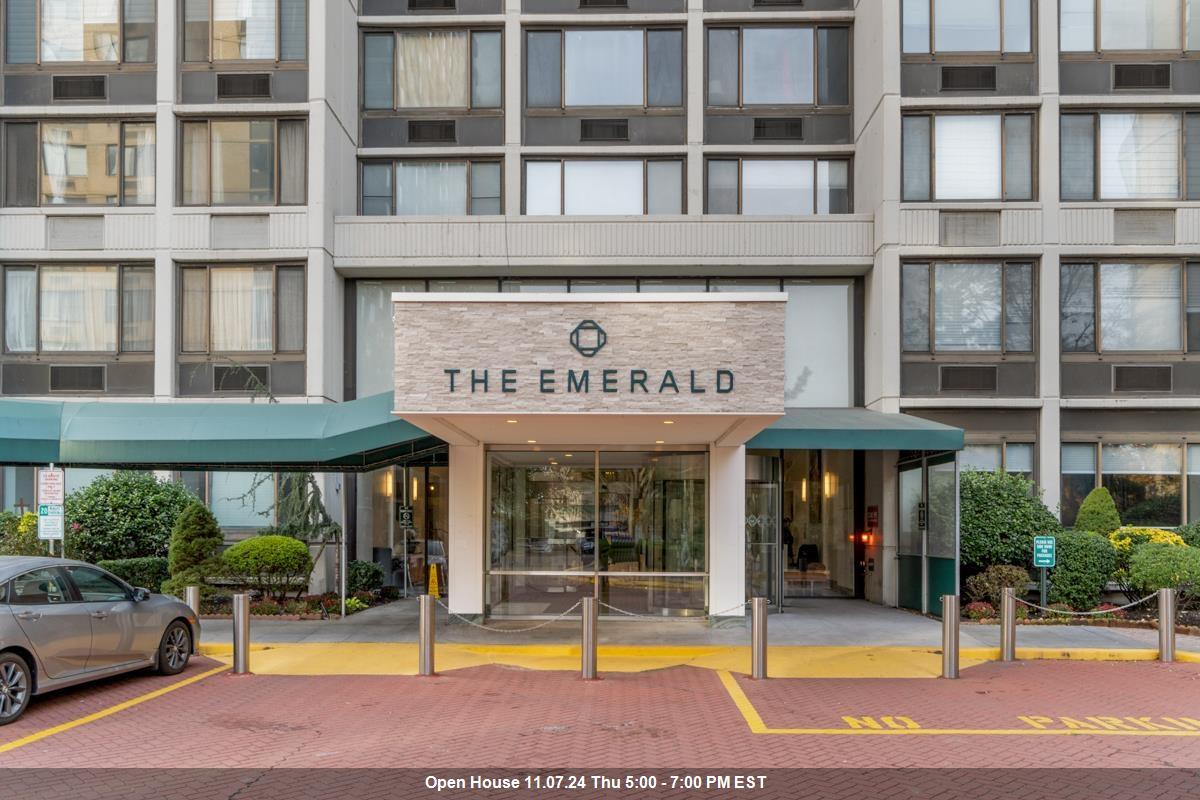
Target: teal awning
(855, 429)
(356, 435)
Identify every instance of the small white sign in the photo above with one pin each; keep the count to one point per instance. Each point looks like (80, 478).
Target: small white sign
(51, 486)
(50, 522)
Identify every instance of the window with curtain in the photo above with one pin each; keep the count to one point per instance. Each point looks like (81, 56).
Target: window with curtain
(769, 186)
(434, 188)
(245, 30)
(604, 187)
(243, 308)
(1130, 307)
(1126, 156)
(1129, 25)
(77, 162)
(778, 66)
(612, 67)
(1012, 457)
(975, 307)
(968, 157)
(244, 162)
(1078, 469)
(78, 308)
(966, 26)
(432, 69)
(1146, 482)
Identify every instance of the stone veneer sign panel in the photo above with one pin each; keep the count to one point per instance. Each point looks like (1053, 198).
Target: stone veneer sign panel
(571, 354)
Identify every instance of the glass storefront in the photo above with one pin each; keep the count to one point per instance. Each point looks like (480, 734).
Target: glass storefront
(628, 527)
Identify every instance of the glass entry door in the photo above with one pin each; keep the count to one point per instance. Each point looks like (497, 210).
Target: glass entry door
(928, 532)
(628, 527)
(763, 567)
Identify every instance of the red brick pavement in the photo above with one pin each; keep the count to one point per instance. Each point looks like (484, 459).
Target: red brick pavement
(683, 717)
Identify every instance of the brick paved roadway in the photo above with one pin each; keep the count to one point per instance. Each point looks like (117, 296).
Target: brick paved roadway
(682, 717)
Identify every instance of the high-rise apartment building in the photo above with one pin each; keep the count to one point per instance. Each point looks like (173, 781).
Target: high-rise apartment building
(819, 244)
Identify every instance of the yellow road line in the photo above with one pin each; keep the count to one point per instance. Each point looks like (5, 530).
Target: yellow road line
(75, 723)
(755, 723)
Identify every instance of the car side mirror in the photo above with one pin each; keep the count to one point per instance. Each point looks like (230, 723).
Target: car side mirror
(140, 594)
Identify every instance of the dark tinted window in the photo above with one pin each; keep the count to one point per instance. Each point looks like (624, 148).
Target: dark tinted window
(38, 588)
(95, 587)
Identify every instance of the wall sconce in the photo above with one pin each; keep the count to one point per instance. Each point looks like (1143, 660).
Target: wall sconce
(804, 491)
(831, 485)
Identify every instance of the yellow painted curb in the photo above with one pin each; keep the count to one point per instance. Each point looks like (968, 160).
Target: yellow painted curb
(1065, 654)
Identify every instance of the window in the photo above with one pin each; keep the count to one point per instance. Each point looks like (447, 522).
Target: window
(1128, 156)
(430, 188)
(96, 587)
(967, 307)
(60, 308)
(967, 26)
(1146, 480)
(1012, 457)
(242, 499)
(79, 31)
(968, 157)
(39, 587)
(778, 66)
(245, 30)
(243, 162)
(769, 186)
(93, 162)
(1130, 307)
(604, 187)
(244, 308)
(416, 69)
(614, 67)
(819, 377)
(1126, 25)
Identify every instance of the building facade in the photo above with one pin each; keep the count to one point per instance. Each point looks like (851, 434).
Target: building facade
(980, 213)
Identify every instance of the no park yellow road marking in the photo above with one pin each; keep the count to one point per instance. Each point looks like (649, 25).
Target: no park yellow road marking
(899, 725)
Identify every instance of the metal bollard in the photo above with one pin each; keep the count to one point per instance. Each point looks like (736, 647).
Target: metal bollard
(191, 596)
(1008, 624)
(241, 634)
(758, 638)
(589, 618)
(426, 623)
(950, 620)
(1166, 624)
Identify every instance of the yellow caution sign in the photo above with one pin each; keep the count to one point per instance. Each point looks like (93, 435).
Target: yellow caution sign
(434, 590)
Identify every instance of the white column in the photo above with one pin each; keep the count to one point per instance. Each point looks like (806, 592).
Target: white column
(889, 523)
(727, 531)
(694, 51)
(164, 203)
(465, 548)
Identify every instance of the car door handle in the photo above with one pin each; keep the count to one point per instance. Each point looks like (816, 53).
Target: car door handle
(99, 614)
(28, 615)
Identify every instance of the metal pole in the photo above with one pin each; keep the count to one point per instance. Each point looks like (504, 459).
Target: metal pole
(191, 596)
(1008, 624)
(950, 620)
(425, 629)
(758, 638)
(241, 634)
(342, 546)
(590, 620)
(1166, 624)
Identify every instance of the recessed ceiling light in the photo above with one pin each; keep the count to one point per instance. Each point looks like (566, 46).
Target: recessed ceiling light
(567, 455)
(531, 441)
(668, 422)
(659, 441)
(511, 421)
(554, 463)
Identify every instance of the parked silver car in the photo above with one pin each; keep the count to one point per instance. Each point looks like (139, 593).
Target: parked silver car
(65, 622)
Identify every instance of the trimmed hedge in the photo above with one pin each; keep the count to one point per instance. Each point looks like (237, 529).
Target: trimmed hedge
(124, 515)
(1086, 562)
(1156, 565)
(1000, 513)
(274, 565)
(146, 573)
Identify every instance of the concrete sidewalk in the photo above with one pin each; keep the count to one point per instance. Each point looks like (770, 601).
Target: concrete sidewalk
(816, 622)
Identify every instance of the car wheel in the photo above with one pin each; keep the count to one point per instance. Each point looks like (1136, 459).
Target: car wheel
(16, 687)
(175, 649)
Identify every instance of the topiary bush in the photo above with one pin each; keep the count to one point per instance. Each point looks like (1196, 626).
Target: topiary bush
(123, 515)
(1157, 565)
(195, 539)
(989, 585)
(364, 576)
(18, 535)
(274, 565)
(1098, 513)
(147, 573)
(999, 515)
(1085, 564)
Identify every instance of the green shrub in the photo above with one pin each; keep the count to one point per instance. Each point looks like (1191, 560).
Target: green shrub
(274, 565)
(354, 605)
(1190, 534)
(124, 515)
(195, 539)
(1098, 513)
(989, 584)
(364, 576)
(18, 535)
(147, 573)
(999, 515)
(1086, 562)
(1157, 565)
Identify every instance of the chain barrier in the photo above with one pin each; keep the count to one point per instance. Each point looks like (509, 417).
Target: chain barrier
(481, 627)
(1095, 613)
(625, 613)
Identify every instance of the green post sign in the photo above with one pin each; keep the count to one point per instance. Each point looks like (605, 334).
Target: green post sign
(1043, 551)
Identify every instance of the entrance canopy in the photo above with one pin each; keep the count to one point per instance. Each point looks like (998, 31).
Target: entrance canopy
(855, 429)
(357, 435)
